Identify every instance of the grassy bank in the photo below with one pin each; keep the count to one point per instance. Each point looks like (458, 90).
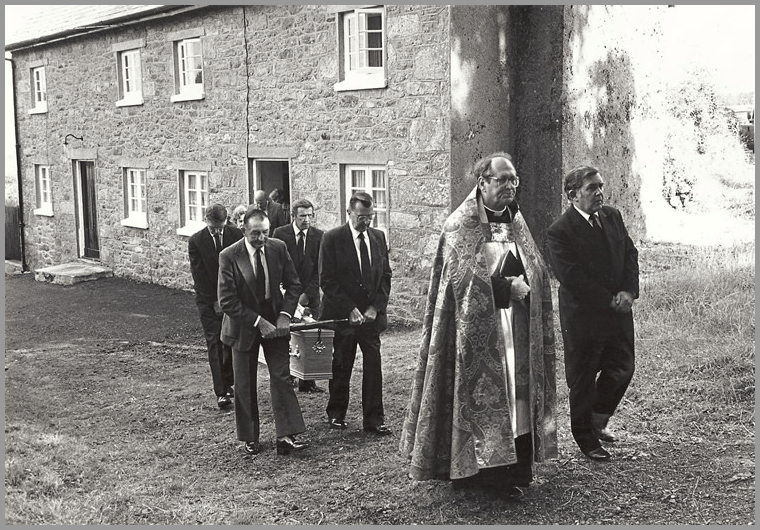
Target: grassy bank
(125, 432)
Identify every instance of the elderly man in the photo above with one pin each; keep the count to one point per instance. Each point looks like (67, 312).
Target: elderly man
(257, 313)
(203, 248)
(277, 216)
(596, 264)
(483, 406)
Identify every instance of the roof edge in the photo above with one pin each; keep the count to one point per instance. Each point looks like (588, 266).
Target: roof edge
(148, 14)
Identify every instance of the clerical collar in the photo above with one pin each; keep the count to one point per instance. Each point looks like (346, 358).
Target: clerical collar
(496, 213)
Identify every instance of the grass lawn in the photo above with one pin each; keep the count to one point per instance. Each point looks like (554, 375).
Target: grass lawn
(126, 431)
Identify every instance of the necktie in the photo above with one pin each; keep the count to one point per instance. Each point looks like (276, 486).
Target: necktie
(595, 223)
(218, 242)
(366, 267)
(261, 289)
(300, 243)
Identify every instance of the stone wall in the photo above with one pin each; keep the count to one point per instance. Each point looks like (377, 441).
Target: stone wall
(268, 86)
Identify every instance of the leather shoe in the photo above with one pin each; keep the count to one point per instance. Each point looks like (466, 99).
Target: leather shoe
(229, 393)
(252, 448)
(599, 454)
(223, 401)
(288, 445)
(382, 430)
(312, 389)
(606, 435)
(335, 423)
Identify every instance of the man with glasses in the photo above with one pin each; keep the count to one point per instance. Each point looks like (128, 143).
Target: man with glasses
(355, 277)
(303, 241)
(204, 247)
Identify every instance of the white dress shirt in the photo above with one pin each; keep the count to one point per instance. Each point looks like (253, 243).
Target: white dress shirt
(587, 216)
(355, 233)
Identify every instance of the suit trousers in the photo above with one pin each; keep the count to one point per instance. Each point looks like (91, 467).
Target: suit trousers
(344, 355)
(288, 419)
(219, 354)
(611, 356)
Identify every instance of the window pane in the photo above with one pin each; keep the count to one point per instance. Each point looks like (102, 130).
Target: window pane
(191, 181)
(358, 179)
(374, 21)
(379, 197)
(378, 178)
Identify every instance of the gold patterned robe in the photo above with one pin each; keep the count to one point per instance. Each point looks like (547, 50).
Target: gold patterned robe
(460, 418)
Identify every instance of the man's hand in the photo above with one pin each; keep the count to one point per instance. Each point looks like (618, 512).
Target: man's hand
(355, 317)
(370, 314)
(283, 326)
(622, 302)
(266, 329)
(520, 289)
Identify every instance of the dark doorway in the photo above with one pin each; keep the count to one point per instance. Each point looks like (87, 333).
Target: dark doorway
(268, 175)
(12, 233)
(87, 220)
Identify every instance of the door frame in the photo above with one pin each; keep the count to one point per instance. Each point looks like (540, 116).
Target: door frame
(254, 179)
(79, 204)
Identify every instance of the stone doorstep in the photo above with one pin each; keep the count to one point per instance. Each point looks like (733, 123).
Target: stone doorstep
(71, 273)
(13, 266)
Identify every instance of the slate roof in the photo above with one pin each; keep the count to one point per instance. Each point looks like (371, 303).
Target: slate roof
(48, 22)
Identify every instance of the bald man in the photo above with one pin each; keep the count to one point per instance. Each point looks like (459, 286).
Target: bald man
(277, 216)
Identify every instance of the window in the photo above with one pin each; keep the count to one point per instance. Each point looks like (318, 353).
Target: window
(130, 78)
(43, 190)
(39, 91)
(135, 199)
(372, 180)
(188, 69)
(193, 195)
(362, 49)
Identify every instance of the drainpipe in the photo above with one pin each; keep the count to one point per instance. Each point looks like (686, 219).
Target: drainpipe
(21, 224)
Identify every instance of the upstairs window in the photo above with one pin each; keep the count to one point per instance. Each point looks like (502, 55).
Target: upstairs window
(130, 78)
(371, 180)
(43, 190)
(362, 49)
(135, 199)
(39, 91)
(188, 69)
(193, 193)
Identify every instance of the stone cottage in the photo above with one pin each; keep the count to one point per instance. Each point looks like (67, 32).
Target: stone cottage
(131, 119)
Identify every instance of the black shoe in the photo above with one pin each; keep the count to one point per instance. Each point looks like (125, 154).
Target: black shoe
(381, 430)
(288, 445)
(229, 393)
(335, 423)
(312, 389)
(252, 448)
(223, 401)
(599, 454)
(606, 435)
(511, 492)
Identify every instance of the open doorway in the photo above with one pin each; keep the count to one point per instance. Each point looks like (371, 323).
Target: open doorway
(87, 209)
(268, 175)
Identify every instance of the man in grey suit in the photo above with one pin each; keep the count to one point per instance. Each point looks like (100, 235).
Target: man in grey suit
(256, 313)
(597, 266)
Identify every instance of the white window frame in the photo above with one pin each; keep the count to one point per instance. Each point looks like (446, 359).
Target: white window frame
(39, 90)
(43, 186)
(193, 201)
(187, 89)
(354, 51)
(381, 194)
(130, 78)
(135, 198)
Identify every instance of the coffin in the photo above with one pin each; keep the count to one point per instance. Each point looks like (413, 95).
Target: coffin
(311, 353)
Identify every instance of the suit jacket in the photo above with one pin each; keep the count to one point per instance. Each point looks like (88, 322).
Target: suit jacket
(306, 267)
(277, 216)
(237, 285)
(587, 285)
(340, 276)
(204, 260)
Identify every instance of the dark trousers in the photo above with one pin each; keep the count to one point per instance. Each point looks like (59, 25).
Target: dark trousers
(219, 354)
(288, 418)
(611, 357)
(344, 355)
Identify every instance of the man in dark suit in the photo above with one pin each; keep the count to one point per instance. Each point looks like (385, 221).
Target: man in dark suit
(596, 264)
(204, 247)
(303, 242)
(355, 277)
(256, 313)
(277, 216)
